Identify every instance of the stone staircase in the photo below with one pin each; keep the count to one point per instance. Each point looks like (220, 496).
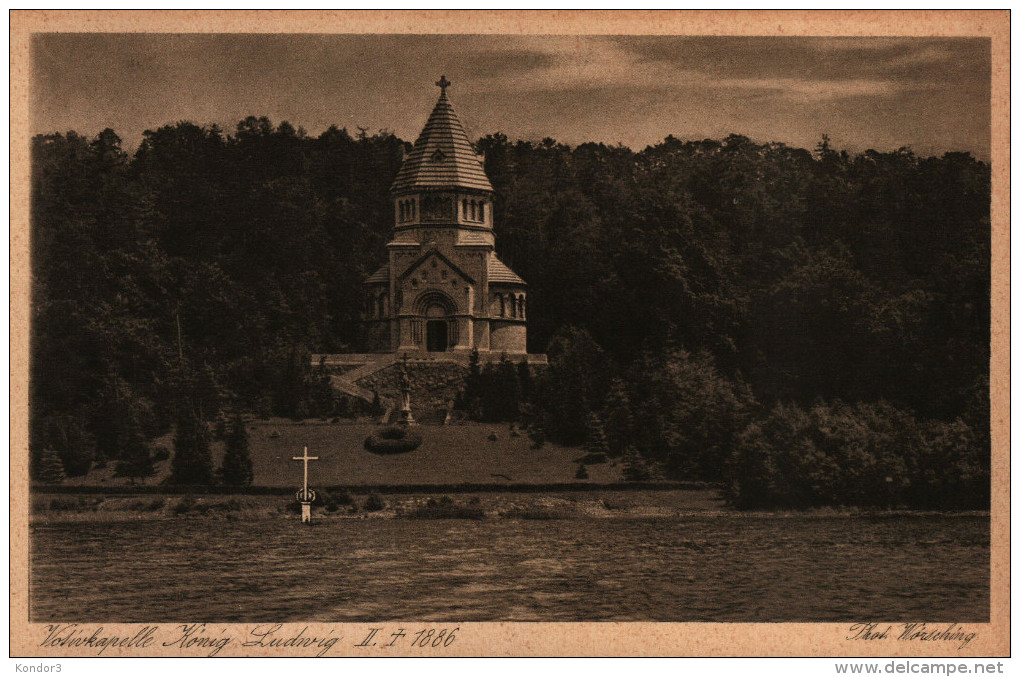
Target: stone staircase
(347, 382)
(355, 367)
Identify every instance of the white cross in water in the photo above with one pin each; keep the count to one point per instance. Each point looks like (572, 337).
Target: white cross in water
(306, 458)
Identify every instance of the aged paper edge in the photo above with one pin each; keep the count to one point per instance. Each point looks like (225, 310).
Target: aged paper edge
(533, 639)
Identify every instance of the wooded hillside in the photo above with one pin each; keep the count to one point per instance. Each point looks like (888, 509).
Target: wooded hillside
(712, 280)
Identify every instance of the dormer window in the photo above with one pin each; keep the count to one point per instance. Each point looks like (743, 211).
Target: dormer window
(438, 156)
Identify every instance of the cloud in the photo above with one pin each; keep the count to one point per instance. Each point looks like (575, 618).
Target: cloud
(508, 62)
(870, 92)
(811, 90)
(614, 64)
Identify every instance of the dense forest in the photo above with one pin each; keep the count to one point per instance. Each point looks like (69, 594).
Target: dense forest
(809, 326)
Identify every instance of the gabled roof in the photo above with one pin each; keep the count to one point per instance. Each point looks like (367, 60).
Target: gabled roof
(442, 157)
(438, 254)
(499, 273)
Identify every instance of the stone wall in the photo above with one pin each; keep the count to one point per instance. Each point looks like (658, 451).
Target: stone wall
(433, 384)
(509, 336)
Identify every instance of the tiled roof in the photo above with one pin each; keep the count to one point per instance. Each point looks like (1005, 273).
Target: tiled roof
(498, 272)
(381, 275)
(442, 156)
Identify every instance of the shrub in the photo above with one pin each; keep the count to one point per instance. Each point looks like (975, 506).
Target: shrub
(393, 439)
(135, 455)
(537, 513)
(376, 408)
(45, 466)
(160, 454)
(66, 503)
(862, 455)
(185, 505)
(446, 508)
(690, 413)
(635, 467)
(332, 502)
(342, 498)
(69, 437)
(374, 503)
(155, 505)
(582, 473)
(595, 443)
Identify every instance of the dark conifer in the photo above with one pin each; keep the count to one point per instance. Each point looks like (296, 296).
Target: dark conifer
(45, 466)
(192, 461)
(237, 466)
(135, 455)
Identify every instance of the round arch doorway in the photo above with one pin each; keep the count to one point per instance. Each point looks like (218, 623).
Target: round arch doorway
(437, 329)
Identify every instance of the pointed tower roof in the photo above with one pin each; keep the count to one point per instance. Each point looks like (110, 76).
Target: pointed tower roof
(442, 157)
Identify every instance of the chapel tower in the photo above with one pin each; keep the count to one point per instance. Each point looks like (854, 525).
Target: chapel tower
(443, 289)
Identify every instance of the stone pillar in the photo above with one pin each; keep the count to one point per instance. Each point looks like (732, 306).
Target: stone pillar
(407, 333)
(481, 334)
(464, 335)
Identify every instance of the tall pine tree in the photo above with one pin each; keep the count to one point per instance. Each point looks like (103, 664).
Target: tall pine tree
(192, 462)
(45, 466)
(237, 467)
(135, 455)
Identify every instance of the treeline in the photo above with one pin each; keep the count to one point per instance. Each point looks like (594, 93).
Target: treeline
(685, 293)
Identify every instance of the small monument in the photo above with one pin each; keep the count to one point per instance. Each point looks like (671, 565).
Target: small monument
(306, 496)
(405, 395)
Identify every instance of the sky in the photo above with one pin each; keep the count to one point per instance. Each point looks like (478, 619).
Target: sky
(932, 94)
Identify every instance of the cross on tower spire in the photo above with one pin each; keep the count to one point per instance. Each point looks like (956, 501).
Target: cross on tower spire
(442, 83)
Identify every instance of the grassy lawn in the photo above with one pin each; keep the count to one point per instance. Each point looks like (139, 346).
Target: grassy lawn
(459, 453)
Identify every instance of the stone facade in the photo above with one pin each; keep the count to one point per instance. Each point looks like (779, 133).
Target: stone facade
(443, 289)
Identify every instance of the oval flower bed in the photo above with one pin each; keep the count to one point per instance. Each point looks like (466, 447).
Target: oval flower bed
(393, 439)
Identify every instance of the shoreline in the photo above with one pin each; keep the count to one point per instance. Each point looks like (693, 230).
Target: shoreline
(677, 504)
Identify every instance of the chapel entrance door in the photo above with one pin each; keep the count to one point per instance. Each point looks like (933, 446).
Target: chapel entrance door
(436, 336)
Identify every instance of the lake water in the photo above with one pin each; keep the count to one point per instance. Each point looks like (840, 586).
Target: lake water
(702, 568)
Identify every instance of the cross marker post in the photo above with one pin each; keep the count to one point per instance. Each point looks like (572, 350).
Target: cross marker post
(304, 496)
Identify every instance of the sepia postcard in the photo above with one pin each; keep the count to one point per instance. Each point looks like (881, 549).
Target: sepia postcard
(509, 333)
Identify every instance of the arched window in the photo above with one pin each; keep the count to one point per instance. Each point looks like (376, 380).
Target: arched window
(465, 209)
(481, 211)
(414, 209)
(473, 205)
(400, 207)
(513, 306)
(502, 305)
(522, 306)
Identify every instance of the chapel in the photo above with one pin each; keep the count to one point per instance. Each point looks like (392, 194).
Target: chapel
(443, 289)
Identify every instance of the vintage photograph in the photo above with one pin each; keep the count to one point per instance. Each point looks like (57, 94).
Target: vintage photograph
(496, 327)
